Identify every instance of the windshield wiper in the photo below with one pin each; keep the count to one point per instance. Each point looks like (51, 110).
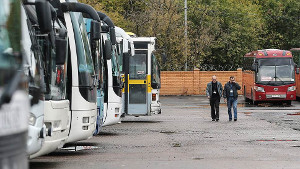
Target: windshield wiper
(269, 82)
(279, 79)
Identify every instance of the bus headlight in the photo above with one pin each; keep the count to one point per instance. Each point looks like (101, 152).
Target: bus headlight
(32, 119)
(259, 89)
(291, 88)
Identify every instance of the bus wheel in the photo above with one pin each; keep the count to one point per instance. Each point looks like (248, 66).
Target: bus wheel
(289, 102)
(252, 99)
(245, 97)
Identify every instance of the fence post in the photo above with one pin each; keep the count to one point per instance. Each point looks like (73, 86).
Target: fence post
(196, 84)
(240, 78)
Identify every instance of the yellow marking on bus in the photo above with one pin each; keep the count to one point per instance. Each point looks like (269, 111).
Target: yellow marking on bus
(149, 83)
(123, 80)
(137, 81)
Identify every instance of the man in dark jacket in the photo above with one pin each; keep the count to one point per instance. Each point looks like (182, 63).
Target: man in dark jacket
(230, 96)
(214, 93)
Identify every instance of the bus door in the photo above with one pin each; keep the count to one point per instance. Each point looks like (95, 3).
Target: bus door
(138, 84)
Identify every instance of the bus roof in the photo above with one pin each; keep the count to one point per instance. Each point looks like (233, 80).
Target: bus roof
(131, 34)
(295, 49)
(269, 53)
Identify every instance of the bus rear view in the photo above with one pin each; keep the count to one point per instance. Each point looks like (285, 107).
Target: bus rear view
(269, 75)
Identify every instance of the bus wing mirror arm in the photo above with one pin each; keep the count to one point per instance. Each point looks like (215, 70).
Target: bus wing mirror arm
(254, 67)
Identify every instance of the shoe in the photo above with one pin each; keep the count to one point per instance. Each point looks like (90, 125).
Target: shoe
(235, 119)
(217, 120)
(213, 120)
(230, 119)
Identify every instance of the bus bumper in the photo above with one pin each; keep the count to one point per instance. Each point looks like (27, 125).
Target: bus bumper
(155, 108)
(83, 125)
(272, 96)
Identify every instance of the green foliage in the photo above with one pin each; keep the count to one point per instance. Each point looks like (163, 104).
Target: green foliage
(220, 32)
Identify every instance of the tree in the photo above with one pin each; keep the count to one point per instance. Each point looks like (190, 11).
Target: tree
(225, 31)
(220, 32)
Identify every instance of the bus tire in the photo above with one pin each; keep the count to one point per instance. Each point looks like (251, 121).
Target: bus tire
(252, 99)
(289, 102)
(245, 97)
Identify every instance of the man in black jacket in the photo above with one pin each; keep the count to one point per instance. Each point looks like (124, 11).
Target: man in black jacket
(230, 96)
(214, 93)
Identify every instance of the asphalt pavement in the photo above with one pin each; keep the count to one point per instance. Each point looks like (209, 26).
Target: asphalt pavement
(265, 136)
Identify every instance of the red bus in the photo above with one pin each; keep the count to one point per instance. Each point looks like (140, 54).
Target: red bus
(269, 75)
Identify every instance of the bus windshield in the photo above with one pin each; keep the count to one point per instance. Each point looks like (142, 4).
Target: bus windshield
(114, 62)
(10, 36)
(84, 58)
(275, 70)
(120, 56)
(55, 75)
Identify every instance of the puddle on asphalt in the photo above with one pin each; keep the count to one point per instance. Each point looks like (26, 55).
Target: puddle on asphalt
(102, 133)
(248, 113)
(297, 129)
(141, 121)
(176, 144)
(209, 137)
(167, 132)
(191, 107)
(287, 120)
(80, 148)
(293, 114)
(73, 144)
(275, 140)
(198, 158)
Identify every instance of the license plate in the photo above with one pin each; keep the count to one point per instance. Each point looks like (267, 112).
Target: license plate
(276, 95)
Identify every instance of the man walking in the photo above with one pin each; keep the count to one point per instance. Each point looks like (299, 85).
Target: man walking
(230, 96)
(214, 93)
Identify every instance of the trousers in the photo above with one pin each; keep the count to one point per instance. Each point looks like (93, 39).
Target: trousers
(232, 103)
(214, 105)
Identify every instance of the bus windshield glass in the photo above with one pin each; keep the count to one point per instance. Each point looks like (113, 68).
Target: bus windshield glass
(84, 58)
(120, 57)
(275, 70)
(137, 66)
(10, 36)
(55, 75)
(114, 61)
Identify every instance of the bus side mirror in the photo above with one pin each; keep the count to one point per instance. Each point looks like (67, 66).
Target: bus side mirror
(104, 29)
(35, 93)
(95, 30)
(254, 67)
(108, 51)
(113, 37)
(164, 58)
(297, 70)
(61, 50)
(44, 16)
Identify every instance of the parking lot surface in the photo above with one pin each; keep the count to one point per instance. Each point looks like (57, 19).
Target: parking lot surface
(266, 136)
